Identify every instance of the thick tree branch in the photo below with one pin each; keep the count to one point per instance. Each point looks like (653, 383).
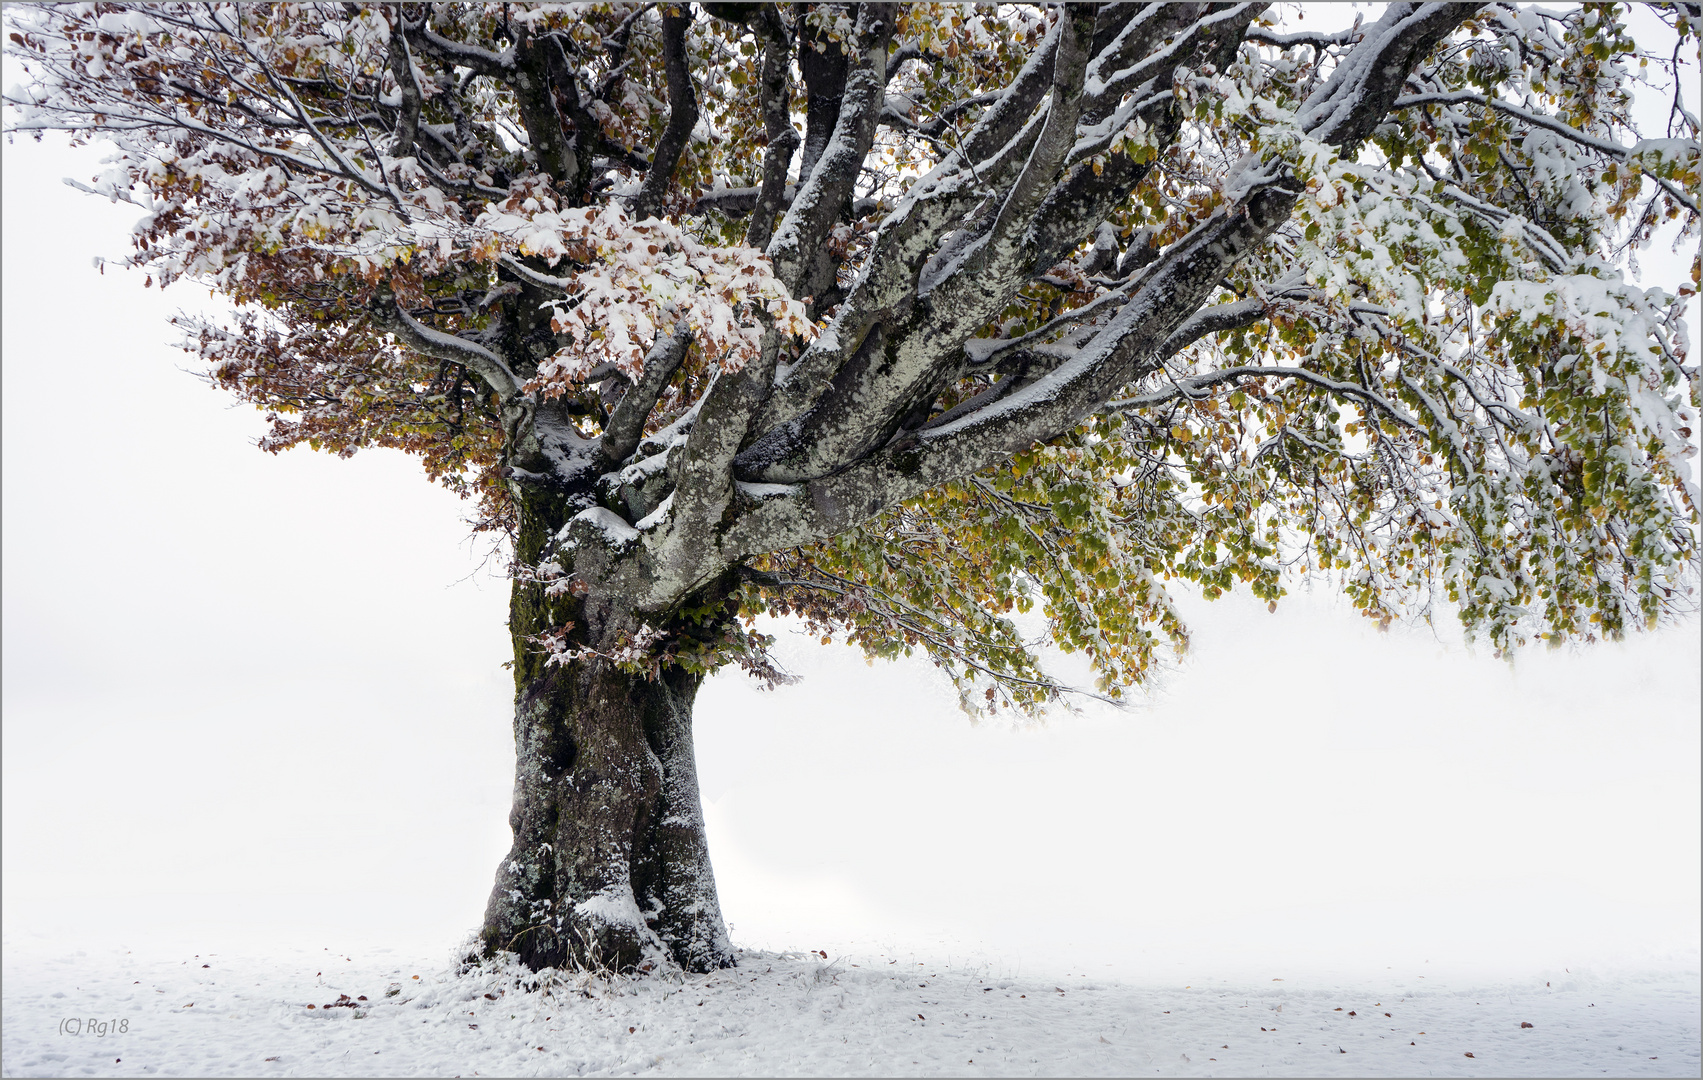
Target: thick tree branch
(868, 398)
(408, 86)
(775, 94)
(626, 424)
(1365, 85)
(1142, 58)
(820, 508)
(535, 100)
(1342, 111)
(682, 114)
(588, 133)
(799, 248)
(1056, 227)
(993, 152)
(705, 493)
(825, 66)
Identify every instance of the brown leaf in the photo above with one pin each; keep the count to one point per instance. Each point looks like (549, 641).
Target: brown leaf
(1524, 1024)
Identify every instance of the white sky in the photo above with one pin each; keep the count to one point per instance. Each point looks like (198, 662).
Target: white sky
(261, 697)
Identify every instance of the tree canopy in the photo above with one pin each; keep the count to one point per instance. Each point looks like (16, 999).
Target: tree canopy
(913, 317)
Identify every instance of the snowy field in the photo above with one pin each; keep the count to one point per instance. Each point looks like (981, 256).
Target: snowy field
(323, 1013)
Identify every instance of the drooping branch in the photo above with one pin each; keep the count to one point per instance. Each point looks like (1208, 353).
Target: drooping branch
(494, 65)
(1197, 385)
(418, 336)
(1548, 123)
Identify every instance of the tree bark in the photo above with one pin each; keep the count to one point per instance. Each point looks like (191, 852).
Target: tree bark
(610, 864)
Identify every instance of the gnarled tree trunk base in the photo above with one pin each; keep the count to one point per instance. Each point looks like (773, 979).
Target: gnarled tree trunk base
(610, 867)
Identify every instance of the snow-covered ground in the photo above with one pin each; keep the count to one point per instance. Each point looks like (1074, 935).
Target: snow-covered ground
(377, 1013)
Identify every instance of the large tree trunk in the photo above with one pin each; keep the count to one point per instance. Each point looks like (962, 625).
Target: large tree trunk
(610, 866)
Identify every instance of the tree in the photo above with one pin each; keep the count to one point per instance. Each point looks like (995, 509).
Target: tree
(1041, 308)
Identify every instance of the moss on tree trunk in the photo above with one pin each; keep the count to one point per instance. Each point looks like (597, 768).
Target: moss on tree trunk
(610, 865)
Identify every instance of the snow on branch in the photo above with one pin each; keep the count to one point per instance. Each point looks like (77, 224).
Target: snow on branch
(1204, 274)
(1685, 149)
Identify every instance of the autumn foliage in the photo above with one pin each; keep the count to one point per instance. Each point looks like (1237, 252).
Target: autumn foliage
(1431, 382)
